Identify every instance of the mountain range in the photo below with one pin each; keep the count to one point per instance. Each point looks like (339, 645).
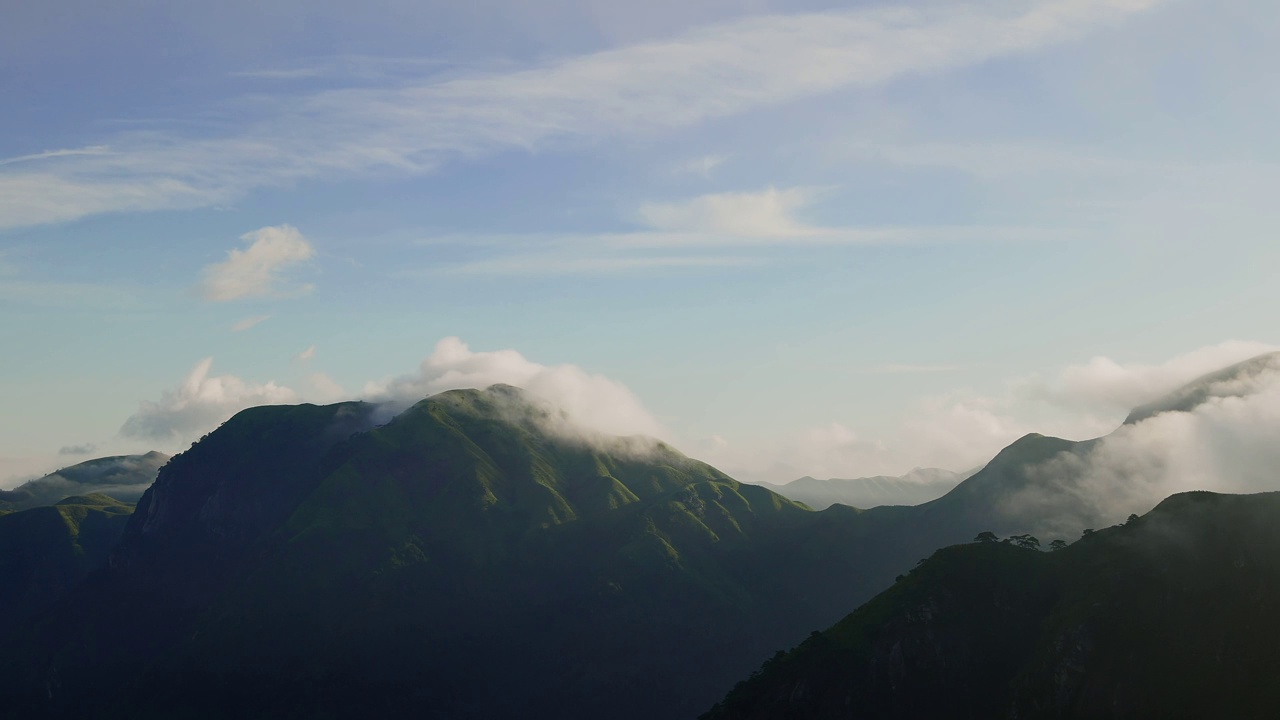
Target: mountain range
(480, 556)
(918, 486)
(121, 477)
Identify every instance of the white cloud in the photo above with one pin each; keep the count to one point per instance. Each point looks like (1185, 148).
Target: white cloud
(747, 215)
(413, 127)
(51, 154)
(964, 429)
(592, 402)
(249, 322)
(701, 165)
(256, 270)
(1103, 385)
(306, 356)
(1226, 444)
(199, 404)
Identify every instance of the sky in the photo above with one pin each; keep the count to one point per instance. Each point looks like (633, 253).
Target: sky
(790, 238)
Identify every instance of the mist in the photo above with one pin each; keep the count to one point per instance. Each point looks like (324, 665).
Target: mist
(1225, 442)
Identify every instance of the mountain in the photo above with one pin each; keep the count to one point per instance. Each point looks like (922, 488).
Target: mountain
(473, 557)
(45, 551)
(1173, 615)
(477, 556)
(918, 486)
(123, 477)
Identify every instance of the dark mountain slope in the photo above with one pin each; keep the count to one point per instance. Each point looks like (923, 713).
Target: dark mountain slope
(46, 550)
(1173, 615)
(469, 559)
(123, 477)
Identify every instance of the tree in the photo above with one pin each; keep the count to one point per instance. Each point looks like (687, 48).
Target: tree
(1087, 532)
(986, 537)
(1057, 545)
(1132, 519)
(1026, 541)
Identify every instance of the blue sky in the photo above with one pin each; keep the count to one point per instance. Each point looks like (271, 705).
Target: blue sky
(790, 237)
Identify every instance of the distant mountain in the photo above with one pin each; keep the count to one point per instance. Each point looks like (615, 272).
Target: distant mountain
(918, 486)
(1173, 615)
(122, 477)
(44, 551)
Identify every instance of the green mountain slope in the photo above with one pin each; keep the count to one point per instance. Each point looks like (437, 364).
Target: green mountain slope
(123, 477)
(471, 558)
(1173, 615)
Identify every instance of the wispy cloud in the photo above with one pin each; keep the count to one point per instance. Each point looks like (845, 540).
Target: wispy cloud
(50, 154)
(256, 271)
(769, 213)
(414, 126)
(908, 369)
(713, 230)
(553, 263)
(249, 322)
(701, 165)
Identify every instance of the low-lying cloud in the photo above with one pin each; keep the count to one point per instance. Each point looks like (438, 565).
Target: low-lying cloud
(199, 404)
(1226, 443)
(963, 429)
(590, 401)
(592, 404)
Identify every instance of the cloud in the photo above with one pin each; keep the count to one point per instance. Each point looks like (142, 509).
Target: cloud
(571, 263)
(592, 402)
(964, 429)
(1104, 385)
(1225, 444)
(748, 215)
(414, 125)
(199, 404)
(84, 449)
(701, 165)
(51, 154)
(249, 322)
(306, 356)
(256, 270)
